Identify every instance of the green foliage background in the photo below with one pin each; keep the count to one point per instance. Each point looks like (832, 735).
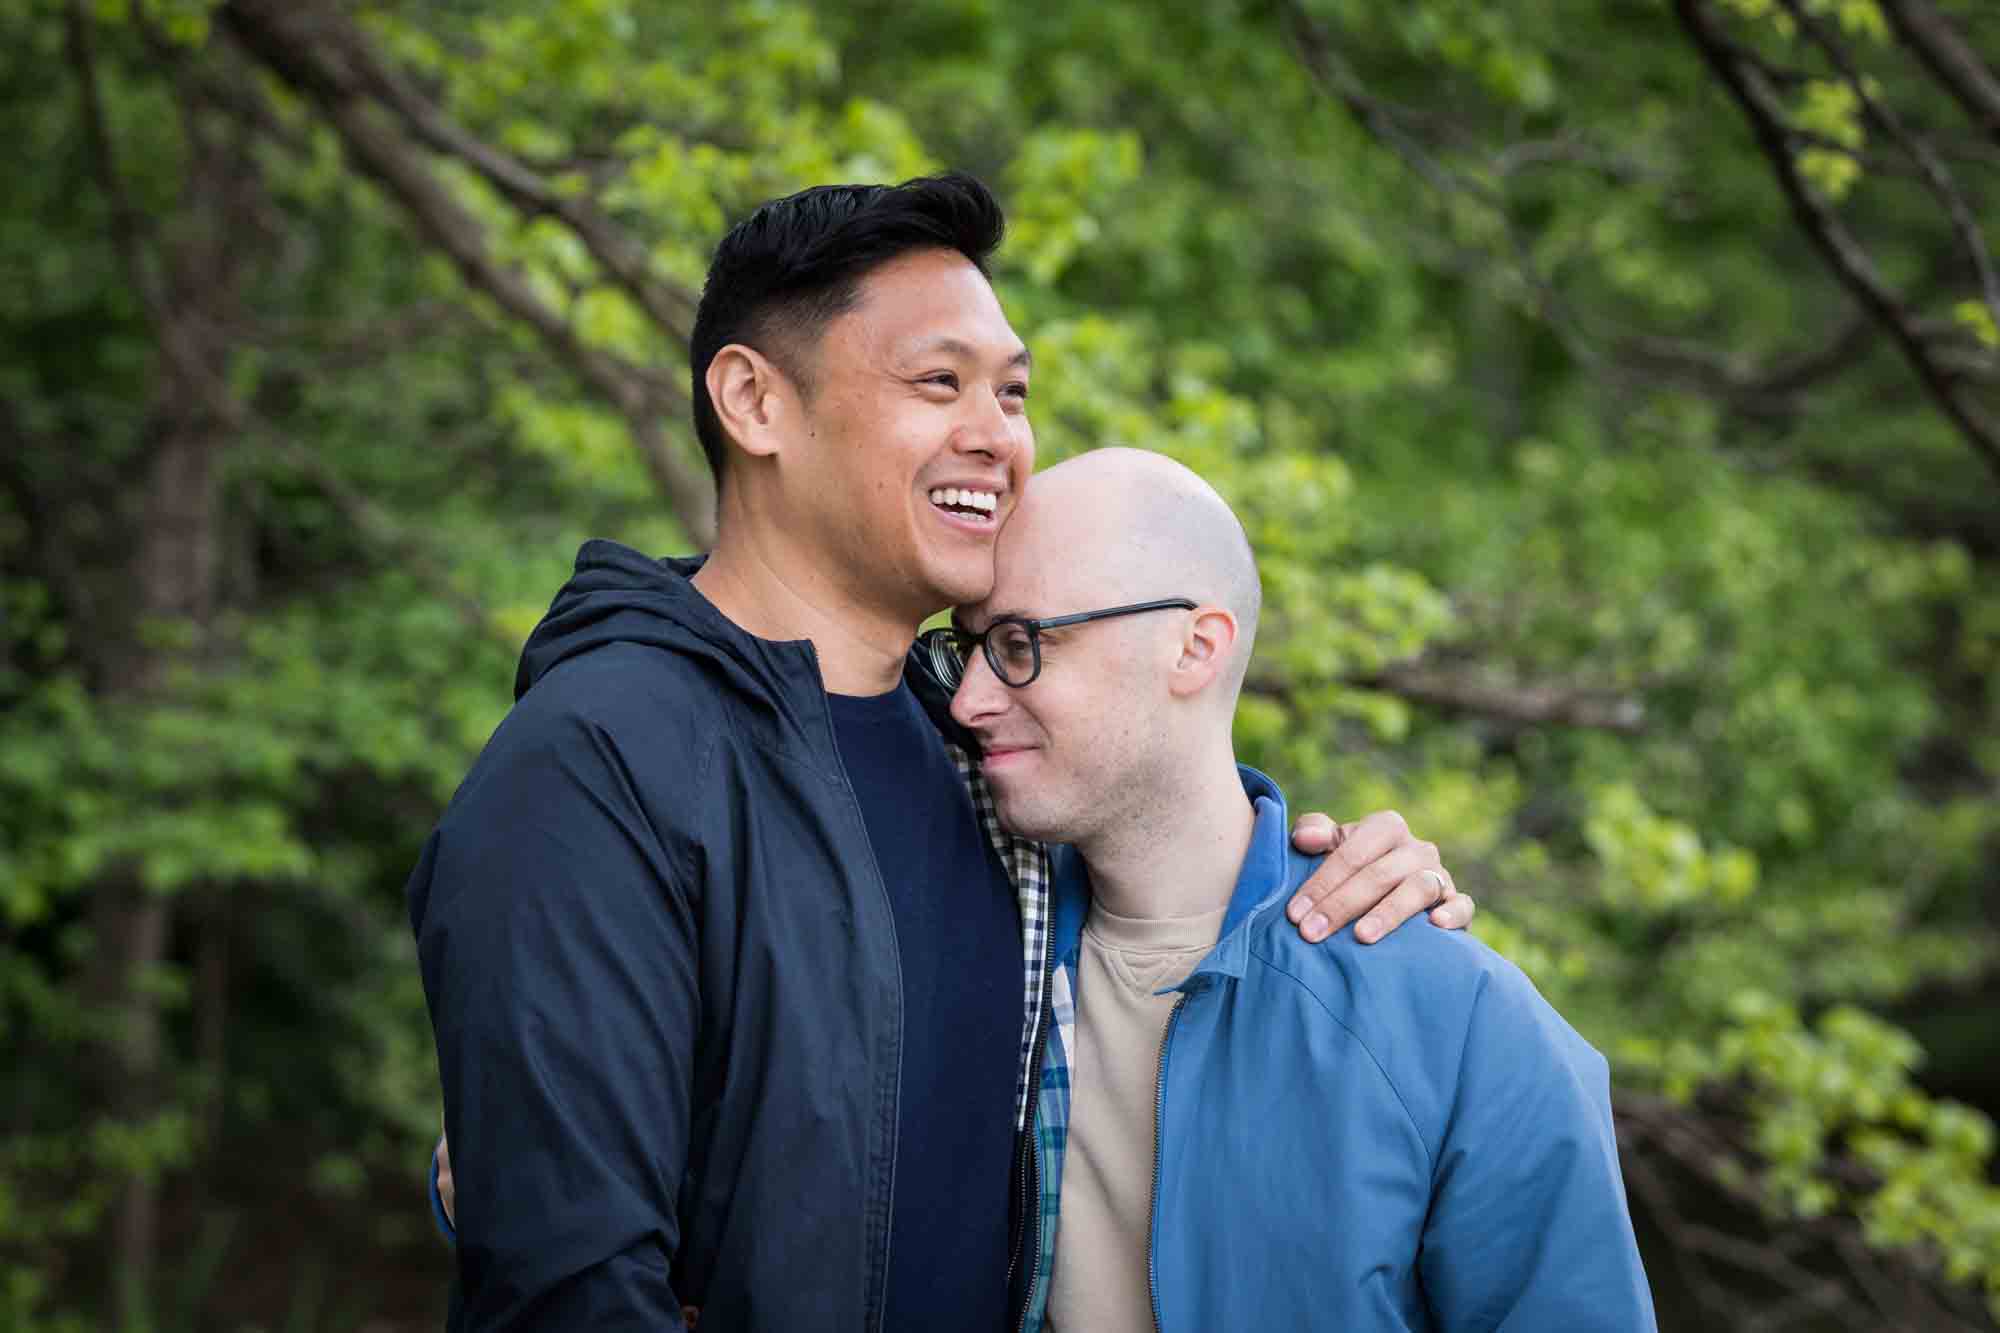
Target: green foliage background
(1601, 536)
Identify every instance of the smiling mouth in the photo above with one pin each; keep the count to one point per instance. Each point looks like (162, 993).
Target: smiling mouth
(1000, 753)
(970, 506)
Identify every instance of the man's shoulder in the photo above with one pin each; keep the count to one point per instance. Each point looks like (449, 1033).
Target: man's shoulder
(1365, 984)
(625, 708)
(1423, 1002)
(628, 664)
(620, 687)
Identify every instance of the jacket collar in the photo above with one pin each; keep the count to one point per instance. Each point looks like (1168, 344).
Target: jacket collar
(1271, 871)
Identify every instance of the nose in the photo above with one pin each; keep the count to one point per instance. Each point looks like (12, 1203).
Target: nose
(993, 432)
(980, 698)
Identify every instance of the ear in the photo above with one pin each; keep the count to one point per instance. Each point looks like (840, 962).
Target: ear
(753, 399)
(1205, 651)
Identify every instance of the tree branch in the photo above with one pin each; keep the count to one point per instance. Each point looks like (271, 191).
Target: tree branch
(1379, 118)
(202, 384)
(1766, 392)
(1698, 1142)
(623, 258)
(1948, 56)
(302, 45)
(1516, 705)
(1842, 253)
(1384, 121)
(1649, 1187)
(128, 236)
(1545, 704)
(1936, 176)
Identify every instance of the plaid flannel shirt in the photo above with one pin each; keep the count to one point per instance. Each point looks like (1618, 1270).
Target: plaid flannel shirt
(1027, 865)
(1051, 1131)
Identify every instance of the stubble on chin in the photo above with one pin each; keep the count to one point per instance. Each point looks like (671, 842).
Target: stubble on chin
(1025, 817)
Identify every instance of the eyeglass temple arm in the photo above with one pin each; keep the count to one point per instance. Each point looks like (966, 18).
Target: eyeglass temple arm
(1056, 622)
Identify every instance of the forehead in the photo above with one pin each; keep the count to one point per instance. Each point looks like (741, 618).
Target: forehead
(924, 299)
(1056, 555)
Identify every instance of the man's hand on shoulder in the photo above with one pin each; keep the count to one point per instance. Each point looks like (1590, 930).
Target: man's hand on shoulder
(1375, 866)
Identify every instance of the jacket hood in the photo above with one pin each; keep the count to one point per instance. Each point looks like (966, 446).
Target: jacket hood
(619, 595)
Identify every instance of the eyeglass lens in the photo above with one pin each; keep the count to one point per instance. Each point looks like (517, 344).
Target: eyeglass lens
(1010, 651)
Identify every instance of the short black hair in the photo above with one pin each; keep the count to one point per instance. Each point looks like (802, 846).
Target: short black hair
(785, 272)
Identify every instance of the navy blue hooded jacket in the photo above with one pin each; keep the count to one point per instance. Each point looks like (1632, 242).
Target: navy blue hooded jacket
(663, 977)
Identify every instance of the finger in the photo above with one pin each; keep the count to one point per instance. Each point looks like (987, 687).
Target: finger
(446, 1194)
(1315, 833)
(1455, 912)
(1360, 845)
(1417, 893)
(1362, 890)
(1374, 837)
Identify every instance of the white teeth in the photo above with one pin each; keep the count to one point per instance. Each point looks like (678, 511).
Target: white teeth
(985, 502)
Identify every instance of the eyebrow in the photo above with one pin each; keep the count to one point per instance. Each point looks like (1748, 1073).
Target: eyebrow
(964, 350)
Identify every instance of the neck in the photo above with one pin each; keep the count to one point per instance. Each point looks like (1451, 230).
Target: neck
(1180, 855)
(773, 590)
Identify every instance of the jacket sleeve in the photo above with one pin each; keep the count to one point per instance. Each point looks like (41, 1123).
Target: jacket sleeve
(1528, 1229)
(557, 948)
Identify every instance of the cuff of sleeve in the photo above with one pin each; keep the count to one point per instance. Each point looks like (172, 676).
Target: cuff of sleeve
(444, 1226)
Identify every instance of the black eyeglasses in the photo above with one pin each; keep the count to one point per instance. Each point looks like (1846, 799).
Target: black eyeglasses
(1013, 644)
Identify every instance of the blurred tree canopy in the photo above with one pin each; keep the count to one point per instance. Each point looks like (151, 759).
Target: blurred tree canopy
(1610, 390)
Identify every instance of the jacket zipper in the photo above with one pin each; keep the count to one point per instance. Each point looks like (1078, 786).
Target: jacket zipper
(1030, 1163)
(895, 956)
(1159, 1135)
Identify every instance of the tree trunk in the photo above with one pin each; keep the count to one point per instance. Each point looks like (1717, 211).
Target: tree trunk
(130, 927)
(187, 277)
(174, 571)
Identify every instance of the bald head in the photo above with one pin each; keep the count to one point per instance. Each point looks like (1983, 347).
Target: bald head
(1126, 720)
(1125, 525)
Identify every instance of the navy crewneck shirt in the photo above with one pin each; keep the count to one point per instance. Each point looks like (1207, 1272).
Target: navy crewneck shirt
(958, 933)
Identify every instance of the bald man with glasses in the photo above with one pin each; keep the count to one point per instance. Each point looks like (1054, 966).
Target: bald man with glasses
(1236, 1129)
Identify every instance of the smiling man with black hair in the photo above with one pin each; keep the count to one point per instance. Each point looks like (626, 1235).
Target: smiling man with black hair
(738, 987)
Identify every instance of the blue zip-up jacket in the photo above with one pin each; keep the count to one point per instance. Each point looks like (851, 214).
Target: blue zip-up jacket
(1399, 1136)
(663, 977)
